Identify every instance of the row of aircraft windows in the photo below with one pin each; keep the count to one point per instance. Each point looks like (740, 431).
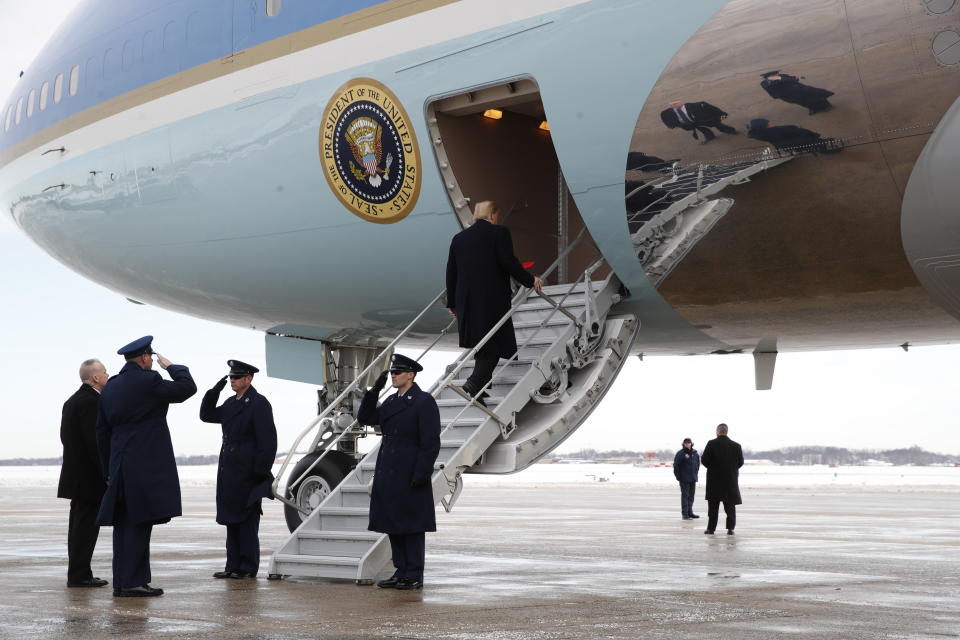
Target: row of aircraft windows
(16, 112)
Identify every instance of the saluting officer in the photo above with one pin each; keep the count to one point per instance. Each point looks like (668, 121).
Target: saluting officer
(401, 503)
(246, 461)
(137, 454)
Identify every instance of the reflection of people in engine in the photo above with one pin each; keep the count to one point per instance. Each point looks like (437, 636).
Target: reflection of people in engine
(791, 138)
(783, 86)
(696, 116)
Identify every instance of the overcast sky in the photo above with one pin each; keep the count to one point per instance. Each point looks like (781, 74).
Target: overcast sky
(52, 319)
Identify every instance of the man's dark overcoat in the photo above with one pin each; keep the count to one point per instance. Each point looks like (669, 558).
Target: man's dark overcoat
(479, 268)
(723, 458)
(702, 113)
(249, 448)
(134, 443)
(411, 442)
(80, 476)
(788, 137)
(790, 89)
(686, 465)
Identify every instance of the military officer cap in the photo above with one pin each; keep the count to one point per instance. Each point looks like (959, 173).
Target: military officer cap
(771, 73)
(136, 348)
(402, 364)
(241, 368)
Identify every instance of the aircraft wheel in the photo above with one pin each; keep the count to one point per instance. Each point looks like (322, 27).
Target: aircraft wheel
(313, 489)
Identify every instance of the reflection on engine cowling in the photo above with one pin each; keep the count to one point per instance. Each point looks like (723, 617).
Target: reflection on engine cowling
(766, 171)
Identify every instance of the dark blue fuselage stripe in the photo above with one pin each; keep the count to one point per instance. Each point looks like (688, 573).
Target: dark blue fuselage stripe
(122, 45)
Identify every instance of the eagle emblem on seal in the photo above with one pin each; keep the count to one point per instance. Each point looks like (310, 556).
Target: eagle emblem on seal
(364, 135)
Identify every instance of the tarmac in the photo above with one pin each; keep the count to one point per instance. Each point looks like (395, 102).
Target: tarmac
(561, 561)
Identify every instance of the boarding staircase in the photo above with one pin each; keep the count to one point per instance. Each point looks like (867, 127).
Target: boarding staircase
(678, 211)
(570, 349)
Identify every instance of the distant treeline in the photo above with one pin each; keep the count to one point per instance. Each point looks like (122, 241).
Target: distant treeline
(790, 455)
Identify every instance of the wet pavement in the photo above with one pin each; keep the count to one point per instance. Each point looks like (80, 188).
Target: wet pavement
(562, 561)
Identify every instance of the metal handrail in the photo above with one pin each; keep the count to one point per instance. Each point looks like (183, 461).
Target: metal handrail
(350, 388)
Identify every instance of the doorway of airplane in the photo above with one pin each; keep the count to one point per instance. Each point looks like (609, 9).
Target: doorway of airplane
(493, 143)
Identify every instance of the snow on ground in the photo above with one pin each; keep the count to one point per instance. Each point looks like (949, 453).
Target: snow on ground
(751, 477)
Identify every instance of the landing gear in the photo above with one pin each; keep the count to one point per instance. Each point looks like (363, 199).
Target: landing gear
(316, 486)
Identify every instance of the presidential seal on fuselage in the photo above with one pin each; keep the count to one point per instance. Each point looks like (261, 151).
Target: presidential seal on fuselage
(369, 153)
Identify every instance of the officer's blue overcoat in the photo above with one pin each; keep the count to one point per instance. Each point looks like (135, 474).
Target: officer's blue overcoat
(411, 442)
(249, 448)
(686, 465)
(134, 443)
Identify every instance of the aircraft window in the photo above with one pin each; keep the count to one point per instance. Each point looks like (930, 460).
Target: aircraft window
(31, 101)
(111, 64)
(127, 59)
(6, 127)
(44, 91)
(58, 89)
(170, 37)
(19, 110)
(149, 45)
(74, 79)
(274, 7)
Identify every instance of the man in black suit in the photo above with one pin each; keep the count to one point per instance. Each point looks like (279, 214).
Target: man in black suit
(696, 116)
(783, 86)
(479, 267)
(81, 479)
(723, 458)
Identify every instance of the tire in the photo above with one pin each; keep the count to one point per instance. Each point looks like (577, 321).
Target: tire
(313, 489)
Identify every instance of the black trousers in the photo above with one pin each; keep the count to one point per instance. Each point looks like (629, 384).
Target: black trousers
(483, 366)
(243, 545)
(713, 512)
(82, 535)
(409, 554)
(131, 551)
(687, 491)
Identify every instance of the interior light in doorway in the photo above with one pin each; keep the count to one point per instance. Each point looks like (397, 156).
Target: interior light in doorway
(545, 125)
(493, 114)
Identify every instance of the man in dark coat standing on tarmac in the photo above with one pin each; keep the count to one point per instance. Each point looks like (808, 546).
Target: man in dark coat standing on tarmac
(136, 452)
(479, 267)
(686, 468)
(723, 458)
(244, 474)
(401, 502)
(81, 479)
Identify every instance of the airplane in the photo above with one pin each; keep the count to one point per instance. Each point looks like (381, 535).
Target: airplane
(739, 176)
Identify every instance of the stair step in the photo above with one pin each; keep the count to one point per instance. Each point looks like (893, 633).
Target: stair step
(559, 320)
(367, 536)
(466, 421)
(491, 401)
(452, 443)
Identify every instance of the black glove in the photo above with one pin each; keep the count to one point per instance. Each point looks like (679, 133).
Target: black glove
(418, 482)
(381, 382)
(221, 383)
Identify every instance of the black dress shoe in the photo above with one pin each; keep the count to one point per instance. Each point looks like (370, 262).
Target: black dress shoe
(693, 515)
(389, 583)
(729, 532)
(237, 575)
(406, 584)
(687, 518)
(143, 591)
(89, 582)
(708, 532)
(222, 574)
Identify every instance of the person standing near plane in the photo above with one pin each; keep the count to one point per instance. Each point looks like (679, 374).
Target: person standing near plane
(479, 267)
(723, 458)
(244, 475)
(401, 501)
(686, 467)
(136, 452)
(81, 478)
